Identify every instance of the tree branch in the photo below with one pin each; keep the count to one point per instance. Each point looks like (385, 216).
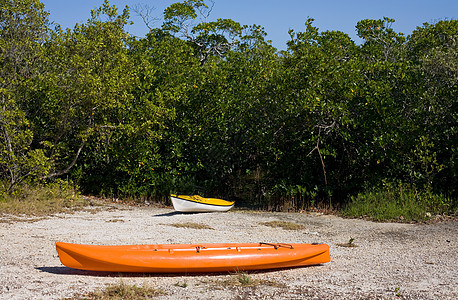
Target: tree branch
(317, 148)
(62, 172)
(144, 12)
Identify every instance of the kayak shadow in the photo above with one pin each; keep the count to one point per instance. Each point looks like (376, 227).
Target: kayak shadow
(169, 214)
(69, 271)
(175, 213)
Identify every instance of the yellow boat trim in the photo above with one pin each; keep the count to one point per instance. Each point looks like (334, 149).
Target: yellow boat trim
(210, 201)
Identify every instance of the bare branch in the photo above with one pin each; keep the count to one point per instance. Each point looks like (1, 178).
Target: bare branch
(62, 172)
(317, 148)
(205, 13)
(145, 12)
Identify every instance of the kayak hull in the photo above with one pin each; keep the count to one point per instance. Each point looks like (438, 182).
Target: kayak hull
(196, 203)
(189, 258)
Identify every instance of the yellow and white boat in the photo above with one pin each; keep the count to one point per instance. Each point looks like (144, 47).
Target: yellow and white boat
(196, 203)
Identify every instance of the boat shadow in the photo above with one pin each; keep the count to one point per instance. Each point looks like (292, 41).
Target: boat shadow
(174, 213)
(69, 271)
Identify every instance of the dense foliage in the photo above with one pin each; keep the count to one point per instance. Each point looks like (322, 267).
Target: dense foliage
(214, 108)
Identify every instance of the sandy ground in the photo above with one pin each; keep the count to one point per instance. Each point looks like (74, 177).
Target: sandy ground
(391, 261)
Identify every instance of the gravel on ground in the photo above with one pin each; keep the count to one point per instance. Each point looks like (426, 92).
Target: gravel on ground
(389, 260)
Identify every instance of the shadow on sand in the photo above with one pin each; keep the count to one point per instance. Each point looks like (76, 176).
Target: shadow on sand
(69, 271)
(174, 213)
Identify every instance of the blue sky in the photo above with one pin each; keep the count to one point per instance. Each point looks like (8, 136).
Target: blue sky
(277, 17)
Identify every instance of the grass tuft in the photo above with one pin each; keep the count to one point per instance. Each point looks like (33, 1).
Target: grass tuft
(349, 244)
(284, 225)
(190, 225)
(123, 291)
(183, 284)
(244, 279)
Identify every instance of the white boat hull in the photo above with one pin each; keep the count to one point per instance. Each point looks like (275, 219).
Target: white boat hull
(183, 205)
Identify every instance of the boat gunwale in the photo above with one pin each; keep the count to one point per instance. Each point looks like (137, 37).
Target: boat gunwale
(193, 247)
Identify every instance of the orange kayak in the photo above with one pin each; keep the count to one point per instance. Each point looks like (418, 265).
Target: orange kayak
(175, 258)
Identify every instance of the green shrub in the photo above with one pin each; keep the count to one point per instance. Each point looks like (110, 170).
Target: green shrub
(39, 200)
(397, 201)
